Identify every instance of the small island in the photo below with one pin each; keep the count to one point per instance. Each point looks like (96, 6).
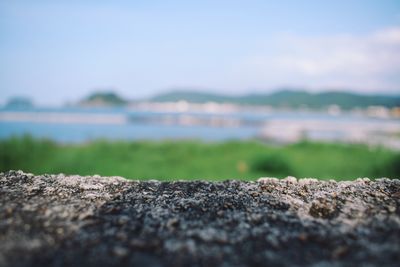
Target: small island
(103, 99)
(19, 103)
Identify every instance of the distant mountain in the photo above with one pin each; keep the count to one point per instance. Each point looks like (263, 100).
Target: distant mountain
(286, 98)
(103, 99)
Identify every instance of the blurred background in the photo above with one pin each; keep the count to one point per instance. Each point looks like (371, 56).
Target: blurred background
(201, 89)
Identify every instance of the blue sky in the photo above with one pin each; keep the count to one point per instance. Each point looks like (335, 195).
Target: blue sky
(57, 51)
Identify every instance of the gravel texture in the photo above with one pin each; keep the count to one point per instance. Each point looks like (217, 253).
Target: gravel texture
(58, 220)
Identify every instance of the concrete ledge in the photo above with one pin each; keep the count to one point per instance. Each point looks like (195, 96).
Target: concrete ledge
(58, 220)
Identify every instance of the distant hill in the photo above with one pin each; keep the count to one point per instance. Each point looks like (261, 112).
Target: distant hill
(286, 98)
(103, 99)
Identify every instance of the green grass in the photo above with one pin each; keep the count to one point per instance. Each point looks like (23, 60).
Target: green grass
(172, 160)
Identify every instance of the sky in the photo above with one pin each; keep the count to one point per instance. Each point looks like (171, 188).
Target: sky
(60, 51)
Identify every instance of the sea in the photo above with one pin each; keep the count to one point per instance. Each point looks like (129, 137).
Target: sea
(78, 125)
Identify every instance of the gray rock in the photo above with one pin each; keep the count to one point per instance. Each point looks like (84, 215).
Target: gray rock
(59, 220)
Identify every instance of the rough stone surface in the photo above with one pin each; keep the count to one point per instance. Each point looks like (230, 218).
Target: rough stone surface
(58, 220)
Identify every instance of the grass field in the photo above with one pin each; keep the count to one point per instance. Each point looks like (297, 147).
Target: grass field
(172, 160)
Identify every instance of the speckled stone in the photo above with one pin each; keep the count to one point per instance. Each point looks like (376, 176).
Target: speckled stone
(59, 220)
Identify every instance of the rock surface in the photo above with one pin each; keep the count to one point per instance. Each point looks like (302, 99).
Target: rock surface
(58, 220)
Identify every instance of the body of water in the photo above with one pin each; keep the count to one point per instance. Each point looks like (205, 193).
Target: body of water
(83, 124)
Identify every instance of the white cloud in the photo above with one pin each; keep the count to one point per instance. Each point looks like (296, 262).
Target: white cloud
(364, 63)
